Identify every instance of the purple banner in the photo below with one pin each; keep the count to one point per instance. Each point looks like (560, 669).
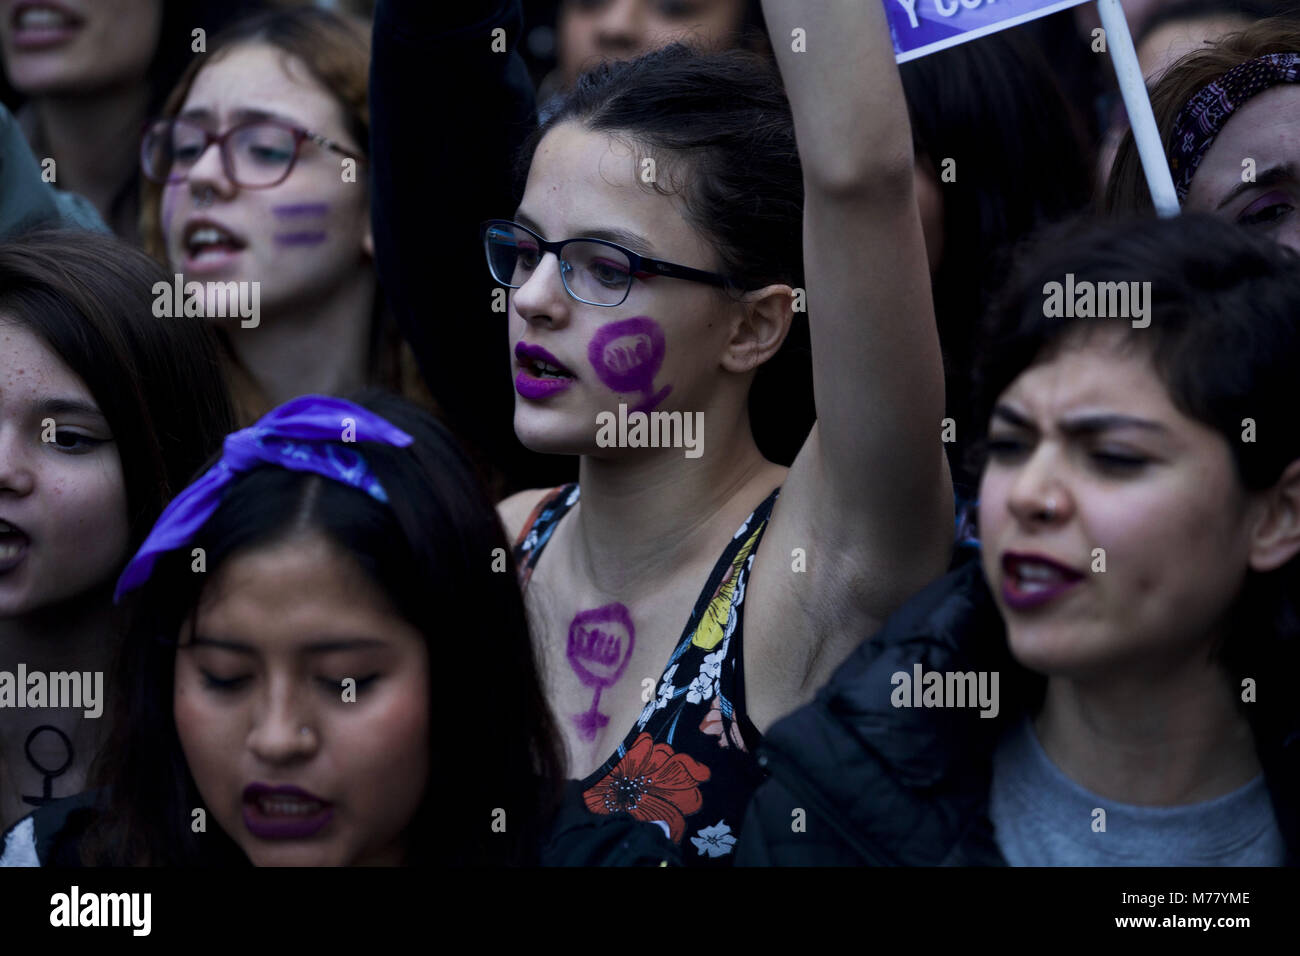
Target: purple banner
(920, 27)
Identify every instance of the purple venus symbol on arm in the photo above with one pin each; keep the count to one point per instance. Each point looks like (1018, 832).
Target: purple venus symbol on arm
(600, 645)
(626, 356)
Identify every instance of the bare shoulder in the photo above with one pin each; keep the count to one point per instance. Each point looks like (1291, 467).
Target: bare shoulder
(515, 510)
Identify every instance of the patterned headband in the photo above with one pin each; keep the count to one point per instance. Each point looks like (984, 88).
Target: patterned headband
(1200, 121)
(310, 433)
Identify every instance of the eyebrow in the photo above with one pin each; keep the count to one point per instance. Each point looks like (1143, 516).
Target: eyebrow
(316, 647)
(1269, 177)
(1084, 424)
(624, 237)
(51, 407)
(242, 115)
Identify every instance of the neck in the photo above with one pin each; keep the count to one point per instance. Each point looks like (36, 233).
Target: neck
(642, 516)
(1165, 740)
(92, 139)
(74, 635)
(79, 635)
(322, 349)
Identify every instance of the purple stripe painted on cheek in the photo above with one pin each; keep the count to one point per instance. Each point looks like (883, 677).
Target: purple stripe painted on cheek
(170, 193)
(300, 238)
(301, 209)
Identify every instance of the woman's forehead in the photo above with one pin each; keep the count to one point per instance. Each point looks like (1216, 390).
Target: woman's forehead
(1264, 131)
(585, 179)
(259, 76)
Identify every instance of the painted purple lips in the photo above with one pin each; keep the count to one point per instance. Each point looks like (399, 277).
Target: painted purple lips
(1031, 580)
(284, 813)
(541, 374)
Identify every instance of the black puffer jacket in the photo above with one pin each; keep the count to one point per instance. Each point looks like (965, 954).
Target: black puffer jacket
(909, 786)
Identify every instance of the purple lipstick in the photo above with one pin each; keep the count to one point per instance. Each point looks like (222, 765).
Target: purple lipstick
(541, 374)
(284, 813)
(1032, 580)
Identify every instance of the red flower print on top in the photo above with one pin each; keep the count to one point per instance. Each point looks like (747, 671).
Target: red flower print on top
(715, 725)
(651, 782)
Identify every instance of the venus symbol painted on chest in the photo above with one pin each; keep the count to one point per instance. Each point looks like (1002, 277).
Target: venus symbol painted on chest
(600, 645)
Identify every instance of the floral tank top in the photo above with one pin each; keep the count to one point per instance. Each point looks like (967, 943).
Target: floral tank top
(688, 763)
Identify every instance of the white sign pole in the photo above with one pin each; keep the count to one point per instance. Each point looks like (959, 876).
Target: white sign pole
(1138, 104)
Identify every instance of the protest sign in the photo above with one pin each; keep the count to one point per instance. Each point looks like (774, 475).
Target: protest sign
(919, 27)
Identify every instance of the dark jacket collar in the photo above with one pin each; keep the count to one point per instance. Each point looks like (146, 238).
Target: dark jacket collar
(910, 785)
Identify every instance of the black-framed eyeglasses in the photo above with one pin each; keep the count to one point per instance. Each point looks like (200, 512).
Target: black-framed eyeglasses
(255, 155)
(594, 271)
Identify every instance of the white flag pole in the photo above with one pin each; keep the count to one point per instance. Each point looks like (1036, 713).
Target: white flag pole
(1138, 104)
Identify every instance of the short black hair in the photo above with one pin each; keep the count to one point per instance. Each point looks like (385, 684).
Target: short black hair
(1224, 338)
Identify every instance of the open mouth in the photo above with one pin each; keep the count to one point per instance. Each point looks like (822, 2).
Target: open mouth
(271, 806)
(1032, 579)
(284, 813)
(42, 24)
(205, 240)
(539, 363)
(13, 545)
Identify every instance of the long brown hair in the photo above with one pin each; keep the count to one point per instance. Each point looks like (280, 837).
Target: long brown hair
(1126, 190)
(336, 51)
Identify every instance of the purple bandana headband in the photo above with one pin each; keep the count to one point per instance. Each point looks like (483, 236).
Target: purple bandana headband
(1200, 121)
(310, 433)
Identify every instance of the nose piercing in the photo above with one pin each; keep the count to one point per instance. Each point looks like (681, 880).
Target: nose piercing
(305, 731)
(206, 200)
(1049, 510)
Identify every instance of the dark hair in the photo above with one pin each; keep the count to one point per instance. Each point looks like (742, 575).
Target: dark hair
(1127, 192)
(721, 132)
(431, 550)
(157, 381)
(994, 107)
(1224, 338)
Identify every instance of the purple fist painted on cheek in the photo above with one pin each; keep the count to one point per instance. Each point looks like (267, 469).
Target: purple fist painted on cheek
(600, 645)
(626, 356)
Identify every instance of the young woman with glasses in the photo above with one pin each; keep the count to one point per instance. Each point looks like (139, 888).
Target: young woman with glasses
(257, 174)
(653, 266)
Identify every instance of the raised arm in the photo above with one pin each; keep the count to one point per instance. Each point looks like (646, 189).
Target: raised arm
(872, 482)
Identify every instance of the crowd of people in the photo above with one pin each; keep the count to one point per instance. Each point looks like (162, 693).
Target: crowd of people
(952, 515)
